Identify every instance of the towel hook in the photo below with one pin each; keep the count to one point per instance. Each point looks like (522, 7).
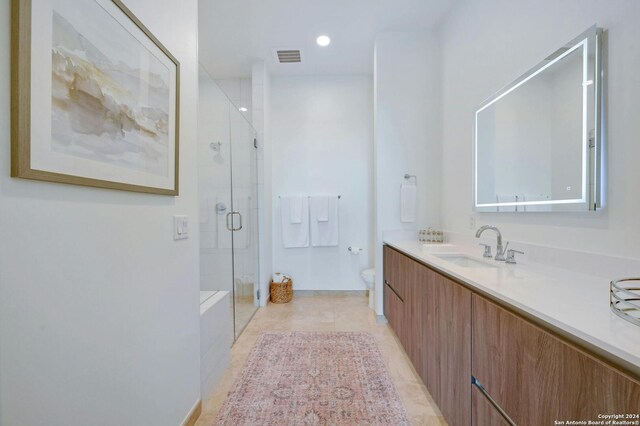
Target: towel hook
(407, 176)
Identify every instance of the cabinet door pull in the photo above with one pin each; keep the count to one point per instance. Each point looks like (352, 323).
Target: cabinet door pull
(495, 405)
(393, 290)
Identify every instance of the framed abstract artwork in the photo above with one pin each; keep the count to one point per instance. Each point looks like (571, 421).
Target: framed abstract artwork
(95, 97)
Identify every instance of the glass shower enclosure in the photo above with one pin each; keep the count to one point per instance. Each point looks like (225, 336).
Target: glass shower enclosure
(228, 195)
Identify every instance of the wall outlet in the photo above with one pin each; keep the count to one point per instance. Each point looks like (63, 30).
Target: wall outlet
(472, 221)
(180, 227)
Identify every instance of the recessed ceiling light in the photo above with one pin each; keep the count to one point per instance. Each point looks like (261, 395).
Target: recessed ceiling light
(242, 109)
(323, 40)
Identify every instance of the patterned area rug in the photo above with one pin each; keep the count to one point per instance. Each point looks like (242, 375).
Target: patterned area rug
(303, 378)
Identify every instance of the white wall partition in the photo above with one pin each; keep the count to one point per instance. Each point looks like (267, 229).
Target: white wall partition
(99, 307)
(407, 132)
(323, 144)
(488, 44)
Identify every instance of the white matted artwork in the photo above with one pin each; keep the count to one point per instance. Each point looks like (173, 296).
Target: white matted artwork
(102, 95)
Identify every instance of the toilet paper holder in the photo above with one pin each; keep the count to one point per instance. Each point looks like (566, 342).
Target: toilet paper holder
(354, 250)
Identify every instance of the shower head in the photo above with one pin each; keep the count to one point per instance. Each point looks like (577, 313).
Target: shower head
(217, 148)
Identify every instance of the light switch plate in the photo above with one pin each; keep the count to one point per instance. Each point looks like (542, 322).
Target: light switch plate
(180, 227)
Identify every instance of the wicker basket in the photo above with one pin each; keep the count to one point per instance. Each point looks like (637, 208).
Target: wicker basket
(282, 292)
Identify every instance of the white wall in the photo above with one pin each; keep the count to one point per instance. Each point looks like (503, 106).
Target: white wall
(485, 45)
(407, 132)
(99, 307)
(323, 144)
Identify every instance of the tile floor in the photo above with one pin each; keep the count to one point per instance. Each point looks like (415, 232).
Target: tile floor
(330, 311)
(245, 309)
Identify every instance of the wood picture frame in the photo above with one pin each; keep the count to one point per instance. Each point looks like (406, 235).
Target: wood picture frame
(134, 144)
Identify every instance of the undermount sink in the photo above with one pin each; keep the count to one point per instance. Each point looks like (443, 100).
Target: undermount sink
(464, 260)
(438, 248)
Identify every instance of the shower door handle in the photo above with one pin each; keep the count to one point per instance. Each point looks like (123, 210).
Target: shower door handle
(229, 228)
(240, 226)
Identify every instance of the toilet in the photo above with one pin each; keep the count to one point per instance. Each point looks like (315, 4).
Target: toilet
(368, 276)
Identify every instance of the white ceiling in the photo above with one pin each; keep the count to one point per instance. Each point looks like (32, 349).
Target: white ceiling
(233, 33)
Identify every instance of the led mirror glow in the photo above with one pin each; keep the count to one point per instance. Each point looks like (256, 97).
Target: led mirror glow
(323, 40)
(537, 142)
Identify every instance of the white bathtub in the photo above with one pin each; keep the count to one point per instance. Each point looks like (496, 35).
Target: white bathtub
(216, 337)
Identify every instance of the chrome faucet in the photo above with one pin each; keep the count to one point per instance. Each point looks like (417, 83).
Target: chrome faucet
(500, 250)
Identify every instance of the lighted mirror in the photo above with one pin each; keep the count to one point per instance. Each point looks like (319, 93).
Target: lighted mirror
(538, 141)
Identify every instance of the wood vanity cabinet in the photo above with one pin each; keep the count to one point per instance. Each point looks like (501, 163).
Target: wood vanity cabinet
(483, 413)
(451, 333)
(404, 316)
(536, 378)
(397, 293)
(433, 325)
(448, 348)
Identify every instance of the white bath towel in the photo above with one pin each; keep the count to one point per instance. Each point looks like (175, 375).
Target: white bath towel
(320, 204)
(294, 235)
(324, 233)
(295, 209)
(408, 202)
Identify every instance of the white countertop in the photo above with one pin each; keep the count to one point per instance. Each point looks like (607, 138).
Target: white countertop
(574, 304)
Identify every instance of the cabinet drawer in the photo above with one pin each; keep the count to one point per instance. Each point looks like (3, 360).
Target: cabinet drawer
(483, 413)
(390, 306)
(399, 272)
(537, 378)
(449, 350)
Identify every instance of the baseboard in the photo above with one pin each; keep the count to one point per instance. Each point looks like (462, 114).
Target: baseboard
(193, 415)
(329, 292)
(382, 319)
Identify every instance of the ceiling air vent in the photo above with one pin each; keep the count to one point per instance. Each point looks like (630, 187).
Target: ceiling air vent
(288, 56)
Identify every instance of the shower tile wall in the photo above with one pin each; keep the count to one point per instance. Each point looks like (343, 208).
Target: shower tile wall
(214, 181)
(223, 128)
(244, 185)
(261, 95)
(239, 91)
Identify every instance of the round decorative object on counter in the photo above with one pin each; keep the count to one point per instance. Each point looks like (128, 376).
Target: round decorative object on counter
(625, 299)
